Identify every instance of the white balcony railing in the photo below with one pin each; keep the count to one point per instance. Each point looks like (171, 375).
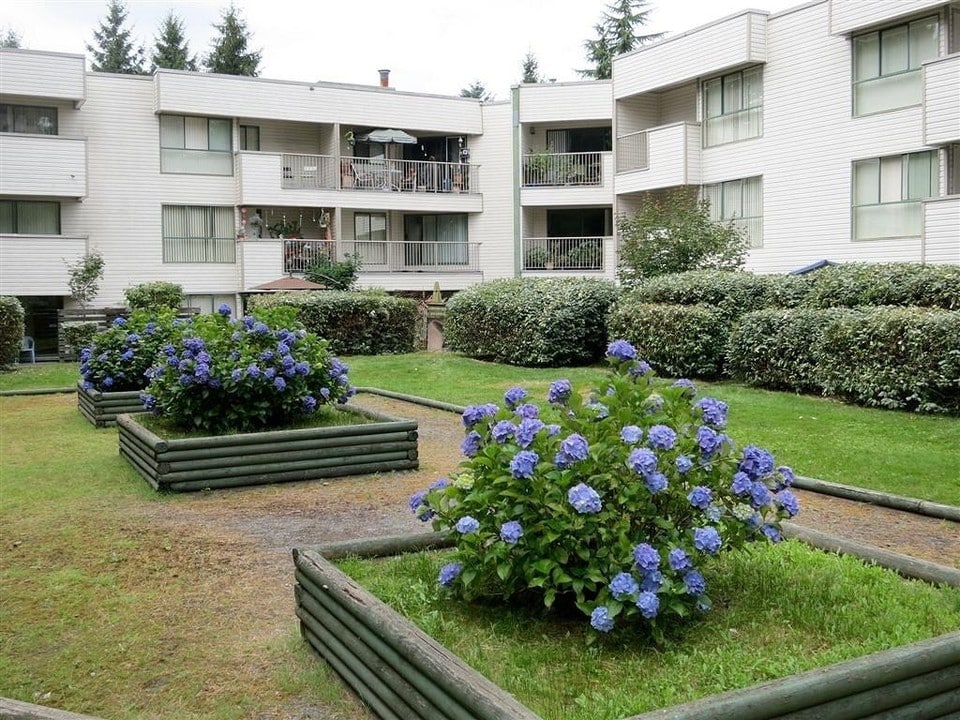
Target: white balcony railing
(408, 175)
(309, 172)
(385, 255)
(553, 169)
(633, 151)
(577, 254)
(660, 157)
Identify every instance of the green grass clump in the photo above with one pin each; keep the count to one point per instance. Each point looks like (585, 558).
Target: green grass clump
(779, 610)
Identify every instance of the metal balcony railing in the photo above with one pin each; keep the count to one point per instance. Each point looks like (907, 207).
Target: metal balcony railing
(309, 172)
(385, 255)
(557, 169)
(564, 253)
(633, 152)
(408, 175)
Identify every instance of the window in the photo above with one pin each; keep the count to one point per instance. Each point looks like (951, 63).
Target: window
(370, 234)
(198, 234)
(887, 193)
(886, 65)
(739, 202)
(733, 107)
(432, 240)
(196, 145)
(250, 137)
(28, 119)
(29, 217)
(953, 169)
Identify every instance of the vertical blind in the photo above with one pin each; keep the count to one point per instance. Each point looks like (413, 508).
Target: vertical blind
(198, 234)
(739, 202)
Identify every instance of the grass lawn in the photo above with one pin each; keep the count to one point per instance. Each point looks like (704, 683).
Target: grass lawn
(779, 610)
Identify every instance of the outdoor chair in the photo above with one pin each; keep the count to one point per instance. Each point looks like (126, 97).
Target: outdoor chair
(27, 348)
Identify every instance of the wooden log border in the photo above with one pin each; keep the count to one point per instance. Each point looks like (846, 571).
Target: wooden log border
(404, 674)
(102, 408)
(18, 710)
(186, 464)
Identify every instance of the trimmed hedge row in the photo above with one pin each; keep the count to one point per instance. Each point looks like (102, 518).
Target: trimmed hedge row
(353, 323)
(897, 358)
(11, 330)
(531, 322)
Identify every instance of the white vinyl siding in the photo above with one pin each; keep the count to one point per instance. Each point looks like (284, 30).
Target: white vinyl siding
(27, 217)
(733, 107)
(31, 119)
(198, 234)
(741, 203)
(886, 65)
(196, 145)
(887, 192)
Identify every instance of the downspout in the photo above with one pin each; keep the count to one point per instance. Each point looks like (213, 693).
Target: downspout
(517, 240)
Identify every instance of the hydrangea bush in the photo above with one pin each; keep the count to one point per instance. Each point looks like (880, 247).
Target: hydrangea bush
(614, 502)
(222, 374)
(117, 359)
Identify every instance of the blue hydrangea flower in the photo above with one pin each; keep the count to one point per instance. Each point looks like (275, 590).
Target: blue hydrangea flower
(225, 310)
(514, 396)
(640, 368)
(741, 484)
(688, 387)
(646, 557)
(475, 413)
(642, 461)
(653, 404)
(270, 373)
(601, 620)
(553, 430)
(755, 462)
(523, 464)
(253, 370)
(679, 560)
(623, 586)
(133, 338)
(785, 478)
(127, 356)
(503, 431)
(108, 380)
(760, 495)
(511, 532)
(439, 484)
(309, 404)
(707, 540)
(575, 447)
(527, 431)
(467, 525)
(621, 350)
(648, 604)
(714, 412)
(700, 497)
(600, 411)
(655, 482)
(302, 368)
(471, 444)
(584, 499)
(325, 393)
(661, 437)
(120, 321)
(236, 374)
(683, 464)
(652, 581)
(417, 499)
(148, 401)
(714, 513)
(694, 583)
(709, 441)
(788, 501)
(528, 410)
(449, 573)
(631, 434)
(771, 533)
(559, 392)
(260, 328)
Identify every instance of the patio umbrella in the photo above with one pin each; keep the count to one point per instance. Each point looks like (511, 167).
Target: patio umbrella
(388, 136)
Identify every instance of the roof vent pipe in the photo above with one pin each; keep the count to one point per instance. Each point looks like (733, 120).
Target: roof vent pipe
(384, 78)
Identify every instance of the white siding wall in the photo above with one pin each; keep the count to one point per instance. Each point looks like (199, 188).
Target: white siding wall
(941, 100)
(565, 102)
(849, 15)
(637, 113)
(37, 264)
(288, 137)
(679, 104)
(494, 227)
(260, 261)
(674, 159)
(43, 165)
(42, 74)
(941, 223)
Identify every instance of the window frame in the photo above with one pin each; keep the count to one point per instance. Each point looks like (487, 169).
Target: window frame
(243, 136)
(15, 216)
(13, 109)
(738, 218)
(906, 190)
(208, 243)
(181, 146)
(744, 100)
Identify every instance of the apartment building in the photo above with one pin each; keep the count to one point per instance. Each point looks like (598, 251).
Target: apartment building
(830, 130)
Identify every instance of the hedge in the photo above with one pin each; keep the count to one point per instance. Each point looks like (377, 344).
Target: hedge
(531, 321)
(877, 284)
(677, 340)
(11, 330)
(154, 295)
(353, 323)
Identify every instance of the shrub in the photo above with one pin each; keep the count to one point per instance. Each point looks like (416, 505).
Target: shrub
(900, 358)
(336, 274)
(78, 335)
(11, 330)
(613, 505)
(84, 275)
(533, 322)
(154, 296)
(223, 375)
(117, 359)
(678, 340)
(733, 292)
(353, 323)
(904, 284)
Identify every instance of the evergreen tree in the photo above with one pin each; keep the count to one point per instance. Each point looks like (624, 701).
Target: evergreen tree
(10, 39)
(115, 51)
(476, 89)
(616, 35)
(171, 50)
(228, 53)
(530, 69)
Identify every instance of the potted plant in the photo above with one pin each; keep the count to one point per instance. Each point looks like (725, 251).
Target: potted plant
(283, 229)
(537, 258)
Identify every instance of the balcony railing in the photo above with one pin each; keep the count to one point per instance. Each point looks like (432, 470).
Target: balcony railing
(408, 175)
(553, 169)
(309, 172)
(577, 254)
(385, 255)
(633, 151)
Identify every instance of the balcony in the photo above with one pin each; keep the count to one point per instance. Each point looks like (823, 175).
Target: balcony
(941, 229)
(37, 264)
(566, 254)
(43, 165)
(941, 101)
(584, 178)
(661, 157)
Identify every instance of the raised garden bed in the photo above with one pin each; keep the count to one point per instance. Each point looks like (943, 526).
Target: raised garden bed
(102, 408)
(199, 463)
(401, 672)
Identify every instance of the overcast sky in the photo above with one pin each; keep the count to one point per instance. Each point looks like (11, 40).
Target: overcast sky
(432, 46)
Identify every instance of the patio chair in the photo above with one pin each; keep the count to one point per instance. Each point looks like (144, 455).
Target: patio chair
(363, 177)
(28, 348)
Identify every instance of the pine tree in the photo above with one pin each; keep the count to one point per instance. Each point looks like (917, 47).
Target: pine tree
(530, 69)
(615, 36)
(10, 38)
(171, 50)
(478, 90)
(115, 51)
(228, 53)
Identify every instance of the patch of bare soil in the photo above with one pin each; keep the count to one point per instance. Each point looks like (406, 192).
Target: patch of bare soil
(261, 525)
